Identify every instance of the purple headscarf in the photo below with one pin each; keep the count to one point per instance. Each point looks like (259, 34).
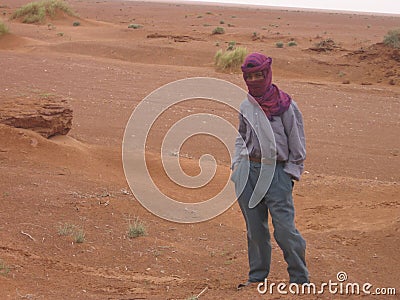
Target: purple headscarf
(272, 100)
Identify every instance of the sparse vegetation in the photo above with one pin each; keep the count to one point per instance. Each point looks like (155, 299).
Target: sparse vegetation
(79, 236)
(230, 60)
(231, 46)
(392, 38)
(65, 229)
(292, 43)
(37, 12)
(279, 44)
(325, 45)
(3, 28)
(222, 22)
(135, 26)
(72, 230)
(4, 269)
(136, 229)
(218, 30)
(76, 23)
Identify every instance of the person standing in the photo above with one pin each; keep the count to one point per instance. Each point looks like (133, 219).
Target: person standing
(286, 123)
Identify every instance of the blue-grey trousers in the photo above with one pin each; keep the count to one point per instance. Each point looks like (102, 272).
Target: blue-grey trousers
(279, 202)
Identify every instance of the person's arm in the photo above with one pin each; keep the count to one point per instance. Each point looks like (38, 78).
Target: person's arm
(293, 123)
(239, 143)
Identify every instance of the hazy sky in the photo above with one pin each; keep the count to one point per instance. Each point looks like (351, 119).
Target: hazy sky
(380, 6)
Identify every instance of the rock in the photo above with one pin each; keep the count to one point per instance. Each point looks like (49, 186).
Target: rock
(47, 115)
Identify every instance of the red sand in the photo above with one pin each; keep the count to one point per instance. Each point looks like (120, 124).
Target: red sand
(347, 203)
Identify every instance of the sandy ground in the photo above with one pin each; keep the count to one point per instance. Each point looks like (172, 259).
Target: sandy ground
(347, 203)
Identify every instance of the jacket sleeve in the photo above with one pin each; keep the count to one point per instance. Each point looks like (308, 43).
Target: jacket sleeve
(240, 141)
(293, 123)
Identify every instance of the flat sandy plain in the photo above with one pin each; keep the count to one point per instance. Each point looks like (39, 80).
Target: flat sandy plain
(347, 203)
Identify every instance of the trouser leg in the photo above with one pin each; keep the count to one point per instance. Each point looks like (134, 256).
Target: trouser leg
(258, 236)
(280, 204)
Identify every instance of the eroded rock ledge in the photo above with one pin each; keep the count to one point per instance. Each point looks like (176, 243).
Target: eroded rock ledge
(48, 116)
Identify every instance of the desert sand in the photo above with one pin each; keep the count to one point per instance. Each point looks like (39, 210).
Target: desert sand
(347, 202)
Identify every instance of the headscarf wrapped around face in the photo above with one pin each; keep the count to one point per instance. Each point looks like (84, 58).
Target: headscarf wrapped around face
(271, 99)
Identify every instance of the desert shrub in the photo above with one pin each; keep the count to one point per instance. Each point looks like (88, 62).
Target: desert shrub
(218, 30)
(36, 12)
(135, 26)
(292, 43)
(392, 38)
(79, 236)
(327, 43)
(230, 60)
(3, 28)
(4, 269)
(65, 229)
(222, 22)
(76, 23)
(279, 45)
(136, 229)
(76, 232)
(231, 46)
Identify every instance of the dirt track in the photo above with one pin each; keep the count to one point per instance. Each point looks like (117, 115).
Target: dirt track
(347, 203)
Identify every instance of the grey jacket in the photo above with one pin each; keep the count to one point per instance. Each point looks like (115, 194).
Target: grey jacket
(288, 132)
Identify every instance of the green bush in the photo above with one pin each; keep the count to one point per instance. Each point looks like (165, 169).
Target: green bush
(392, 38)
(135, 26)
(3, 28)
(76, 23)
(292, 43)
(279, 45)
(230, 60)
(36, 12)
(218, 30)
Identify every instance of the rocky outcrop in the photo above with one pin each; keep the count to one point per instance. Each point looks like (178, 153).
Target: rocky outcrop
(47, 115)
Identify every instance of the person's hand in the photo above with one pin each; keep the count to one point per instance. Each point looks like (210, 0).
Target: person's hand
(234, 167)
